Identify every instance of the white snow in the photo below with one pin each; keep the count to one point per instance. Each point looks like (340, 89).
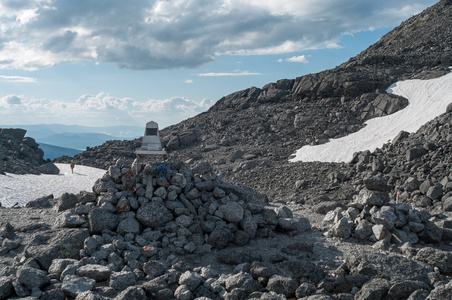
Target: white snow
(427, 100)
(22, 189)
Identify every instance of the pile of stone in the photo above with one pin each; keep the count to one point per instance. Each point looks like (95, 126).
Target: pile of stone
(373, 217)
(127, 238)
(22, 155)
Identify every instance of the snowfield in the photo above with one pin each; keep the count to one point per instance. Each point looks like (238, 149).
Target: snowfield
(427, 100)
(22, 189)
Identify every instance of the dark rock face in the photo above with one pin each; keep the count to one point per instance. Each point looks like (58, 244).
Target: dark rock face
(21, 155)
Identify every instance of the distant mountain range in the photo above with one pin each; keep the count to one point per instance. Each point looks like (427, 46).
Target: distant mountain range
(57, 139)
(52, 152)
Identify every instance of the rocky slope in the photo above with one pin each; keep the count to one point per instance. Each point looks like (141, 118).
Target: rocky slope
(379, 227)
(173, 232)
(268, 124)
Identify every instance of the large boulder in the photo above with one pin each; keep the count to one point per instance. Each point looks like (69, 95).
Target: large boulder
(100, 219)
(52, 244)
(49, 168)
(391, 266)
(154, 215)
(436, 258)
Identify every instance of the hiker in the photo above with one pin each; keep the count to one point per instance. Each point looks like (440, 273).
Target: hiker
(72, 166)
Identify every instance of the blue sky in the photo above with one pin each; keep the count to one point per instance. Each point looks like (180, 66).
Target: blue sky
(103, 62)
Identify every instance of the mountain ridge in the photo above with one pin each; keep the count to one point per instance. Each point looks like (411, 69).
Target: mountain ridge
(256, 130)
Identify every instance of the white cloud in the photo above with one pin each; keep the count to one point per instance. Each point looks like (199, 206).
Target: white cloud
(159, 34)
(4, 78)
(188, 81)
(92, 110)
(297, 59)
(244, 73)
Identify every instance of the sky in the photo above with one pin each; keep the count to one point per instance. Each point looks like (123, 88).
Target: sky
(427, 100)
(105, 63)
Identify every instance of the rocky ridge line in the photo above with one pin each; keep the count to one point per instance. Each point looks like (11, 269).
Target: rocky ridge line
(22, 155)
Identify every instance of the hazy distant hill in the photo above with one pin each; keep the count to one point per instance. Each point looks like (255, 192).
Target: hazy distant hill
(43, 130)
(57, 139)
(77, 141)
(52, 152)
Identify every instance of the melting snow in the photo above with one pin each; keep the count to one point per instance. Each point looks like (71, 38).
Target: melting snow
(22, 189)
(427, 100)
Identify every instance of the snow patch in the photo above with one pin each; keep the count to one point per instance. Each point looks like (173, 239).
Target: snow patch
(427, 100)
(22, 189)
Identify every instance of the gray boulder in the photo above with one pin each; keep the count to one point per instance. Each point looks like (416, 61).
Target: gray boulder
(376, 288)
(294, 224)
(128, 225)
(414, 153)
(283, 285)
(372, 198)
(42, 202)
(363, 229)
(243, 281)
(17, 133)
(154, 215)
(32, 278)
(58, 265)
(449, 108)
(100, 219)
(447, 204)
(49, 168)
(385, 217)
(392, 266)
(6, 287)
(7, 231)
(377, 183)
(232, 212)
(202, 168)
(96, 272)
(73, 285)
(404, 288)
(66, 201)
(342, 229)
(132, 293)
(182, 292)
(435, 192)
(122, 280)
(436, 258)
(69, 220)
(190, 279)
(220, 237)
(431, 233)
(52, 244)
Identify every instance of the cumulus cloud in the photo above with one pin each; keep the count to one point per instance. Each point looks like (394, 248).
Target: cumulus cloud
(160, 34)
(92, 110)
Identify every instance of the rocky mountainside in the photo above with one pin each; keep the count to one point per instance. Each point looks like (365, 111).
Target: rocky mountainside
(377, 227)
(249, 135)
